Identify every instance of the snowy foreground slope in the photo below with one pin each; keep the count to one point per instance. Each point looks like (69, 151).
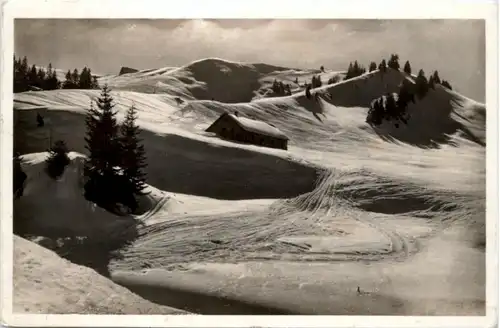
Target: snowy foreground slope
(397, 212)
(46, 283)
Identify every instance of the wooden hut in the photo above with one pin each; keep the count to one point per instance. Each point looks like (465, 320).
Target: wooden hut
(242, 129)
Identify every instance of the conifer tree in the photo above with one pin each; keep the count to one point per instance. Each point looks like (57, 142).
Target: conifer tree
(394, 62)
(85, 79)
(355, 68)
(422, 85)
(68, 82)
(102, 167)
(446, 84)
(308, 92)
(350, 72)
(75, 78)
(58, 159)
(436, 77)
(53, 82)
(407, 67)
(372, 67)
(102, 135)
(24, 66)
(33, 77)
(431, 82)
(382, 66)
(133, 154)
(49, 69)
(42, 78)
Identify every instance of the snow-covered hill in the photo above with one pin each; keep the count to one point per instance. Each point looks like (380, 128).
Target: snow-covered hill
(297, 231)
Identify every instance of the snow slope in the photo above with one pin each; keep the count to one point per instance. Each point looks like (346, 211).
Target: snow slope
(45, 283)
(296, 231)
(213, 78)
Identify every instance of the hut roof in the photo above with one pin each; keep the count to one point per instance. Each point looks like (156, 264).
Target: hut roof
(258, 127)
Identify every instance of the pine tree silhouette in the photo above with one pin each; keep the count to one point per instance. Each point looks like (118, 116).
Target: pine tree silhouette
(431, 82)
(407, 67)
(133, 154)
(394, 62)
(350, 72)
(422, 85)
(308, 92)
(68, 82)
(102, 167)
(446, 84)
(372, 67)
(43, 79)
(436, 77)
(382, 66)
(75, 78)
(102, 135)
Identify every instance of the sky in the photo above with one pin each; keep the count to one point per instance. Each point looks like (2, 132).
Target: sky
(456, 48)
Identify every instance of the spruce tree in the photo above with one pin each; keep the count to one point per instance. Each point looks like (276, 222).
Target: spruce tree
(394, 62)
(68, 83)
(102, 134)
(33, 77)
(58, 159)
(24, 66)
(75, 78)
(42, 78)
(372, 67)
(355, 68)
(422, 85)
(382, 66)
(446, 84)
(103, 163)
(350, 72)
(407, 67)
(308, 92)
(53, 81)
(436, 77)
(431, 82)
(133, 154)
(85, 79)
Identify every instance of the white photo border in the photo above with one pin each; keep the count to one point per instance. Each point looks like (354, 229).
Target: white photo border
(326, 9)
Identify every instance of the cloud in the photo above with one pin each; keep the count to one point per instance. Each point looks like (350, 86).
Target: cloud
(454, 47)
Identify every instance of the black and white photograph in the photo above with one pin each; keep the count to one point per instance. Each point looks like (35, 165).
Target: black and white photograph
(248, 166)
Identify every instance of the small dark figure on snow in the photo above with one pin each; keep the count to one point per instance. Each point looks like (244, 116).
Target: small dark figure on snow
(39, 120)
(308, 92)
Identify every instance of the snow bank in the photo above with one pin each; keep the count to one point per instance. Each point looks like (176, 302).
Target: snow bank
(44, 283)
